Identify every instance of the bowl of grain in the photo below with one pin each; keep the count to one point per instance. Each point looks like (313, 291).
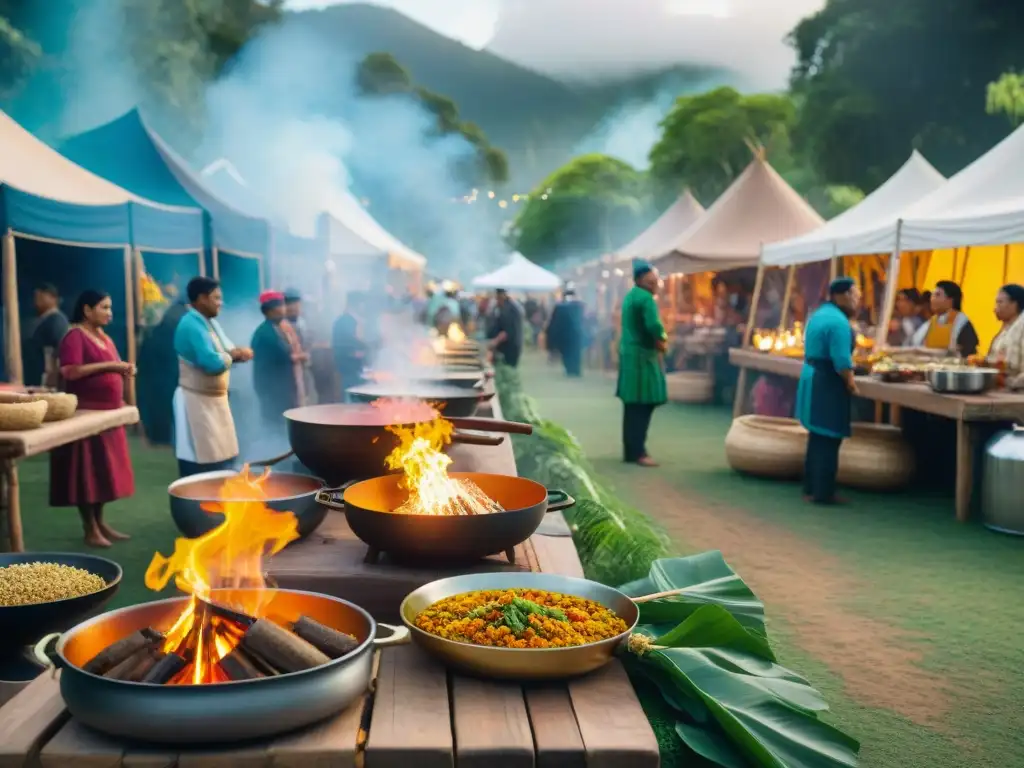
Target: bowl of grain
(44, 592)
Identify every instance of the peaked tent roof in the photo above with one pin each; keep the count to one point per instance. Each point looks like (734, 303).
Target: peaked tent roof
(844, 235)
(127, 151)
(47, 195)
(658, 237)
(758, 208)
(353, 215)
(520, 274)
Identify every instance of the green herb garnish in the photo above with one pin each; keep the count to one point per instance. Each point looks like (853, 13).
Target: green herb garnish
(516, 615)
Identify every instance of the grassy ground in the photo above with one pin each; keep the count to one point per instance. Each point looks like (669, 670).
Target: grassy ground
(909, 622)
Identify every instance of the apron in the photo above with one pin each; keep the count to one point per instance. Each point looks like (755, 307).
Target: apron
(940, 335)
(207, 411)
(831, 401)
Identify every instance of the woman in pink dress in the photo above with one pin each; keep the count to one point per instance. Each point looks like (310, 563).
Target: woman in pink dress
(97, 470)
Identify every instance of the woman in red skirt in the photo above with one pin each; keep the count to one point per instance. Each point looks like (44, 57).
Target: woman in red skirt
(92, 472)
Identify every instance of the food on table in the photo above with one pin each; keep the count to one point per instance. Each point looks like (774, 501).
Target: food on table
(520, 618)
(31, 583)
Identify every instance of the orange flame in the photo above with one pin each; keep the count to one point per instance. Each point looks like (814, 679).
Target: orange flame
(455, 333)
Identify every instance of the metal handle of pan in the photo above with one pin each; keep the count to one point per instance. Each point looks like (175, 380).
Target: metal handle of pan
(273, 461)
(333, 498)
(492, 425)
(469, 438)
(398, 636)
(559, 500)
(43, 652)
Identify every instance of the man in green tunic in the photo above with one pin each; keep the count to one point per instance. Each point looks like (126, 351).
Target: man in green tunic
(641, 386)
(825, 392)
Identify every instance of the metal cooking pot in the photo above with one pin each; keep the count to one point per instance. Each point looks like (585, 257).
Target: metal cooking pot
(962, 381)
(451, 401)
(455, 376)
(286, 492)
(369, 508)
(220, 712)
(1001, 504)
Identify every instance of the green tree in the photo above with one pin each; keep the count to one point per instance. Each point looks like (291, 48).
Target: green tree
(706, 140)
(1006, 96)
(585, 208)
(380, 73)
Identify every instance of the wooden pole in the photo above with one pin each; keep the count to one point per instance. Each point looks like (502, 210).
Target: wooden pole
(140, 270)
(1006, 263)
(891, 280)
(215, 261)
(755, 299)
(129, 314)
(12, 317)
(963, 271)
(790, 279)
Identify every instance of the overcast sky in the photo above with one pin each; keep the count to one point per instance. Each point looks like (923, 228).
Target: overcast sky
(597, 38)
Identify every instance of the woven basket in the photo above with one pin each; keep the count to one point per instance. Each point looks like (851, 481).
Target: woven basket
(14, 397)
(17, 417)
(61, 405)
(766, 446)
(876, 457)
(689, 387)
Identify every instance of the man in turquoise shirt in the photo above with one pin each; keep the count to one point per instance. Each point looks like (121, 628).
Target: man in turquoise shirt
(826, 389)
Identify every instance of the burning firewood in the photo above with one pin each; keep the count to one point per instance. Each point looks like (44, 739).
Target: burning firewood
(239, 665)
(329, 641)
(285, 650)
(115, 654)
(136, 666)
(165, 669)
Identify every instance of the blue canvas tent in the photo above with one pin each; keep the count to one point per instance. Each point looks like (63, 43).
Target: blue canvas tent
(50, 210)
(130, 153)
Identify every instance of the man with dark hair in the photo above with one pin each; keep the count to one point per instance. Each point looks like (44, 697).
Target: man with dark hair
(826, 389)
(44, 337)
(204, 430)
(506, 333)
(948, 329)
(277, 373)
(349, 349)
(641, 386)
(565, 332)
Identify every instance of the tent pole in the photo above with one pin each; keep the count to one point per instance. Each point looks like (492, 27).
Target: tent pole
(140, 270)
(784, 316)
(891, 279)
(202, 263)
(1006, 262)
(215, 260)
(748, 334)
(129, 313)
(12, 317)
(261, 274)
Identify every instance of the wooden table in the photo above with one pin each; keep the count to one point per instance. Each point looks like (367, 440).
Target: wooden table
(19, 445)
(965, 410)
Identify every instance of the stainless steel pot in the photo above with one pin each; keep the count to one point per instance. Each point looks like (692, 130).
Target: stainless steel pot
(220, 712)
(962, 381)
(287, 493)
(1001, 502)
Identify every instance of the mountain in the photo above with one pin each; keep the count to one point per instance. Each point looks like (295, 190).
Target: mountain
(536, 119)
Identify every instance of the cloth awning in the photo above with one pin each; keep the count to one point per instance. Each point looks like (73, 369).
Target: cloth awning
(520, 274)
(851, 232)
(47, 195)
(130, 153)
(758, 208)
(353, 215)
(665, 230)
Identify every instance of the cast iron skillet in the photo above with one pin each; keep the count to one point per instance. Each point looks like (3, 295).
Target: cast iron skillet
(368, 508)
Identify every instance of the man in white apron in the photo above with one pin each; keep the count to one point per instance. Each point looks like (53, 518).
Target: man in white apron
(204, 431)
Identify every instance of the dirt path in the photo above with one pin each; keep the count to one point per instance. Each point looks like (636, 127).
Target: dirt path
(879, 663)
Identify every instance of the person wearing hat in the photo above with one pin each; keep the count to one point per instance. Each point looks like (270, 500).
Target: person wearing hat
(204, 430)
(277, 371)
(826, 388)
(641, 386)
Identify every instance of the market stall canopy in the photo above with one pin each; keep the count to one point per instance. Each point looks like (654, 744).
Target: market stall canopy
(520, 274)
(47, 195)
(129, 152)
(758, 208)
(849, 233)
(666, 229)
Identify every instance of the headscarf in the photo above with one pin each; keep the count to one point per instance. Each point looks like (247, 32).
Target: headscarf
(840, 286)
(641, 268)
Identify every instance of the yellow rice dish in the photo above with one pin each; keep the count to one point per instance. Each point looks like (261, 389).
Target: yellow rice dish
(520, 618)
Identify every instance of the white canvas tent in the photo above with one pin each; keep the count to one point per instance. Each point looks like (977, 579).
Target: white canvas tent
(353, 215)
(520, 274)
(849, 233)
(758, 208)
(667, 228)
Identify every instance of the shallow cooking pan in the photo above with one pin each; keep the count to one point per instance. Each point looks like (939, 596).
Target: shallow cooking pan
(450, 401)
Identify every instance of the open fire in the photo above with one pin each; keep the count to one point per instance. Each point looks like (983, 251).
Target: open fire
(227, 631)
(421, 457)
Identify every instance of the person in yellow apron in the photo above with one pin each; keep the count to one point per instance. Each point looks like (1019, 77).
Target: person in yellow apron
(204, 431)
(949, 330)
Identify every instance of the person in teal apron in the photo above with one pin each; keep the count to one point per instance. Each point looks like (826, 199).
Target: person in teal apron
(641, 386)
(826, 388)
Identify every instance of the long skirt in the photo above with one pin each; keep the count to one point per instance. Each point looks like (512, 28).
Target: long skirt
(96, 470)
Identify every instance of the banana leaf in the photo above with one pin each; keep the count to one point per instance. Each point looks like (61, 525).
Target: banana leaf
(706, 579)
(768, 713)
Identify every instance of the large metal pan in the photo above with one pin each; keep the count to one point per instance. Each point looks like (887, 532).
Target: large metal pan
(285, 492)
(523, 663)
(466, 377)
(449, 400)
(219, 712)
(21, 625)
(369, 505)
(350, 442)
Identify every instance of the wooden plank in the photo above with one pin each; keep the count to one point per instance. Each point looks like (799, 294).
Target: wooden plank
(330, 744)
(76, 746)
(56, 433)
(411, 723)
(964, 469)
(614, 728)
(29, 719)
(556, 735)
(140, 757)
(557, 554)
(492, 727)
(254, 756)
